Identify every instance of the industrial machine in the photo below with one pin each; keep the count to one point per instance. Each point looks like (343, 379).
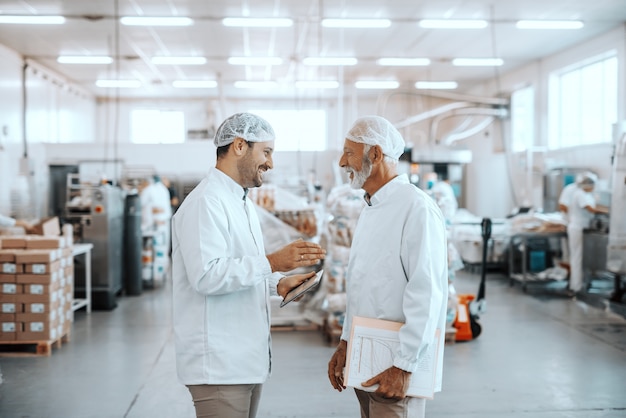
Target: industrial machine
(554, 182)
(97, 215)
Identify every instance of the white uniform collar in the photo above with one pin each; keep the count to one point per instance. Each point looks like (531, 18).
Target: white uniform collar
(230, 184)
(382, 193)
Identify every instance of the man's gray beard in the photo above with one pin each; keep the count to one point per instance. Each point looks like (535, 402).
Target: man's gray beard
(360, 177)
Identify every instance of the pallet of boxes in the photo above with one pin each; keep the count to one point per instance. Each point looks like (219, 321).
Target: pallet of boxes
(36, 293)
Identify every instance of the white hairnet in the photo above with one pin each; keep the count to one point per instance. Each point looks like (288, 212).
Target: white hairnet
(247, 126)
(374, 130)
(588, 179)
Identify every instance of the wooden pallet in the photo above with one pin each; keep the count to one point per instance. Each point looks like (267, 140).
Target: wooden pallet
(31, 348)
(450, 336)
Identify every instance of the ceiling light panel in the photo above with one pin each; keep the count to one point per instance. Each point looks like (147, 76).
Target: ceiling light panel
(321, 61)
(32, 20)
(194, 84)
(403, 62)
(477, 62)
(377, 85)
(118, 83)
(255, 84)
(330, 84)
(436, 85)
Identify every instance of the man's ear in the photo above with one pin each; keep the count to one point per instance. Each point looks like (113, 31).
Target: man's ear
(376, 154)
(239, 146)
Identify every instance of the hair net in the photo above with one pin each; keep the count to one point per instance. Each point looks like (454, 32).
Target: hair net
(374, 130)
(588, 179)
(247, 126)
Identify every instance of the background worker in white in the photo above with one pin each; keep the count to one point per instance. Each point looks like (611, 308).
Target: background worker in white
(565, 200)
(581, 211)
(222, 278)
(397, 269)
(443, 194)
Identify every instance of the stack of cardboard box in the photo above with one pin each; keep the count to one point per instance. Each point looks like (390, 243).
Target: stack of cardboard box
(36, 288)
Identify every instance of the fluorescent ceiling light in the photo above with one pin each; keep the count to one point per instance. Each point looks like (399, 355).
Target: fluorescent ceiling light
(255, 84)
(245, 22)
(549, 24)
(178, 60)
(255, 61)
(376, 84)
(194, 84)
(436, 85)
(119, 83)
(317, 84)
(403, 62)
(78, 59)
(155, 21)
(33, 20)
(453, 24)
(356, 23)
(478, 62)
(329, 61)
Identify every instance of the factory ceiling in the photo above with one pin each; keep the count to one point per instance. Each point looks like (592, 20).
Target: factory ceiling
(305, 32)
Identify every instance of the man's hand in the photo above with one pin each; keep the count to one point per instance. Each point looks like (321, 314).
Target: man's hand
(392, 383)
(287, 283)
(297, 254)
(336, 364)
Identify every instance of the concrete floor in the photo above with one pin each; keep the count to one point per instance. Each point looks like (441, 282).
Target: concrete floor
(539, 356)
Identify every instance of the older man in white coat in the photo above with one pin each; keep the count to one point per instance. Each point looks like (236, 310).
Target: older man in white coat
(397, 269)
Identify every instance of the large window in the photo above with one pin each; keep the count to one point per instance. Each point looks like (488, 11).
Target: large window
(583, 103)
(150, 126)
(522, 119)
(297, 130)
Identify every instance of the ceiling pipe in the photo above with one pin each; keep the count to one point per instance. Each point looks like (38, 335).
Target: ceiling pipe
(456, 136)
(482, 111)
(431, 113)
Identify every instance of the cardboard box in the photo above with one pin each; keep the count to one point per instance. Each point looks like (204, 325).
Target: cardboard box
(42, 268)
(9, 298)
(10, 307)
(36, 256)
(51, 297)
(7, 317)
(8, 330)
(50, 278)
(11, 268)
(8, 278)
(7, 256)
(39, 289)
(10, 288)
(51, 316)
(44, 242)
(39, 331)
(17, 242)
(40, 308)
(48, 227)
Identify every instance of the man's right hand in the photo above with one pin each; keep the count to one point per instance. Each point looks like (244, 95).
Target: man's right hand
(296, 254)
(336, 365)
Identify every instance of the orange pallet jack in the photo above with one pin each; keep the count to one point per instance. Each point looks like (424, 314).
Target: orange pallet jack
(469, 307)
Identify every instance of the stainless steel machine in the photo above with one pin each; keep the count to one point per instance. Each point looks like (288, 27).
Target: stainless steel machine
(97, 215)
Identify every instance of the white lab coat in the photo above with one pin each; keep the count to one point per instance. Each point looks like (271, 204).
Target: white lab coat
(156, 211)
(222, 283)
(398, 270)
(579, 218)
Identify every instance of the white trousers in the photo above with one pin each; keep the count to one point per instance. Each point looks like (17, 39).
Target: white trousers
(576, 275)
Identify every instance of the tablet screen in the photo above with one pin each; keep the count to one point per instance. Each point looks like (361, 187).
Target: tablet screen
(303, 288)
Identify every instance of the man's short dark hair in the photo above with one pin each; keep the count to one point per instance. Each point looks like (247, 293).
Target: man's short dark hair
(223, 150)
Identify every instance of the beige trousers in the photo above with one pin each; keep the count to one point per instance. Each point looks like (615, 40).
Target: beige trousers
(232, 401)
(375, 406)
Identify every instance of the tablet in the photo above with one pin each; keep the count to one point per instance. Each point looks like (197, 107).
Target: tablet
(303, 288)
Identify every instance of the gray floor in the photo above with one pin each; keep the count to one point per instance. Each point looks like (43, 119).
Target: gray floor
(539, 356)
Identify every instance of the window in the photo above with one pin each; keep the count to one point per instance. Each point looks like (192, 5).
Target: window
(150, 126)
(583, 103)
(297, 130)
(522, 119)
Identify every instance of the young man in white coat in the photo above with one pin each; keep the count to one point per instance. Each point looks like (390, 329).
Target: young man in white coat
(397, 269)
(222, 278)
